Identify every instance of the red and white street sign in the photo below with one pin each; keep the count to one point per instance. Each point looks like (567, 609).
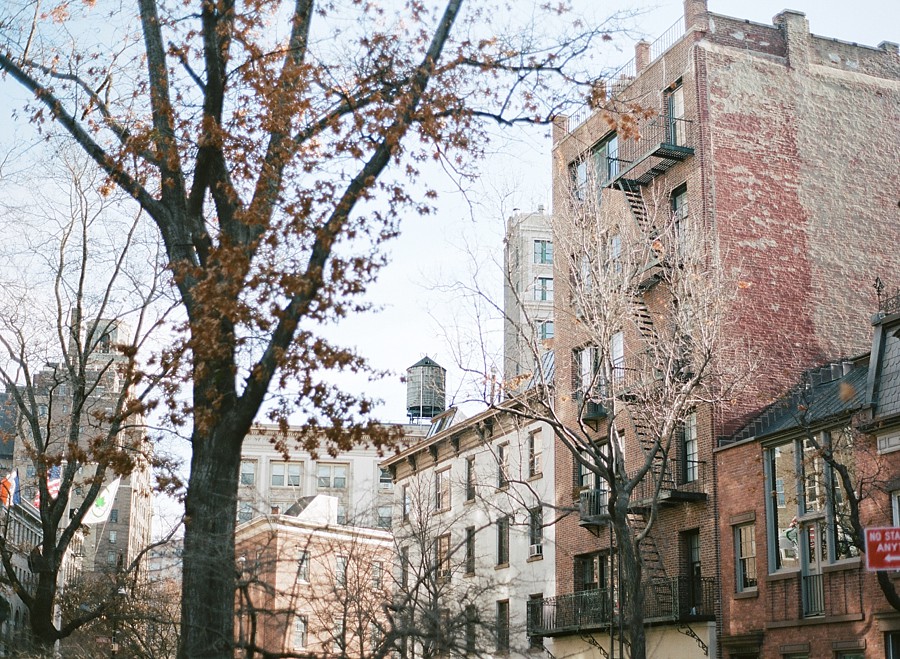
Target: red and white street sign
(883, 548)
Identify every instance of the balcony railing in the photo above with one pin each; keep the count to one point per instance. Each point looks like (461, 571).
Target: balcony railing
(680, 599)
(813, 595)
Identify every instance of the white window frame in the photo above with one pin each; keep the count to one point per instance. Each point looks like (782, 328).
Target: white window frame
(442, 490)
(301, 629)
(691, 448)
(543, 289)
(331, 468)
(543, 252)
(535, 454)
(741, 560)
(248, 472)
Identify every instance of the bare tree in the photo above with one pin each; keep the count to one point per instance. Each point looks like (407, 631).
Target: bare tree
(259, 139)
(78, 306)
(641, 311)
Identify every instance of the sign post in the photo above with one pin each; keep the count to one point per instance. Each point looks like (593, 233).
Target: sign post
(883, 548)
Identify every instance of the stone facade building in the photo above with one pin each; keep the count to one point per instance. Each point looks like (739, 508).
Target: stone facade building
(779, 148)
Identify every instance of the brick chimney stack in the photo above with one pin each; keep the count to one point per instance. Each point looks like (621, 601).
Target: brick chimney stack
(695, 15)
(641, 55)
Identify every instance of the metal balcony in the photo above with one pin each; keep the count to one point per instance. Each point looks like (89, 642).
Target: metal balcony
(592, 508)
(676, 599)
(682, 480)
(662, 143)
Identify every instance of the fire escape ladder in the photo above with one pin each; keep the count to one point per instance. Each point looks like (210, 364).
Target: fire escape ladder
(638, 209)
(642, 318)
(658, 589)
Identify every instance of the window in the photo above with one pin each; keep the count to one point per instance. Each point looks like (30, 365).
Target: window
(284, 473)
(502, 465)
(114, 515)
(545, 330)
(377, 575)
(404, 567)
(579, 173)
(675, 110)
(111, 557)
(617, 356)
(113, 536)
(340, 571)
(303, 565)
(340, 636)
(442, 490)
(584, 475)
(332, 476)
(245, 511)
(503, 541)
(535, 449)
(385, 480)
(470, 478)
(535, 603)
(605, 157)
(384, 516)
(807, 511)
(543, 289)
(471, 623)
(690, 449)
(892, 645)
(375, 635)
(300, 626)
(536, 527)
(405, 503)
(895, 508)
(543, 251)
(442, 556)
(680, 219)
(248, 472)
(615, 254)
(341, 513)
(587, 380)
(503, 626)
(470, 550)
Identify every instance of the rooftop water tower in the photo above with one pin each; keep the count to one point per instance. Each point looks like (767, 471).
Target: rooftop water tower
(426, 387)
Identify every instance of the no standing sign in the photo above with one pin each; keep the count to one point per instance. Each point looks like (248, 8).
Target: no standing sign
(883, 548)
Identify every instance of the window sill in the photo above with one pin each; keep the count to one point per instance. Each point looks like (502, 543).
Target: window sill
(469, 574)
(847, 564)
(533, 559)
(503, 488)
(501, 566)
(469, 502)
(438, 511)
(536, 477)
(746, 594)
(782, 576)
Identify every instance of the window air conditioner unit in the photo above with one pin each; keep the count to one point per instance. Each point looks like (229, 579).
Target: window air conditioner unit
(535, 550)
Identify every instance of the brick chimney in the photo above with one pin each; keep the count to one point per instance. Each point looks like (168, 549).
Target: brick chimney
(641, 55)
(695, 15)
(796, 36)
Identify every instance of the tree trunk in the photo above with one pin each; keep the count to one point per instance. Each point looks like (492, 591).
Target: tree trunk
(631, 598)
(208, 582)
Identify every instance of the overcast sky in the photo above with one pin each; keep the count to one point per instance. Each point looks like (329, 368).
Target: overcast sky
(418, 317)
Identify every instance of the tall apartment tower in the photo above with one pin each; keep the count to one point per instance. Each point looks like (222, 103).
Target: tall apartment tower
(778, 146)
(527, 294)
(118, 541)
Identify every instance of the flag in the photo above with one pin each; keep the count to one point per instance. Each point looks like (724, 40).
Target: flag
(9, 489)
(103, 504)
(53, 483)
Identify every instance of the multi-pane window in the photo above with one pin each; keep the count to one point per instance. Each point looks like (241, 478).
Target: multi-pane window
(340, 636)
(404, 567)
(285, 474)
(114, 516)
(503, 541)
(587, 379)
(536, 526)
(579, 173)
(502, 465)
(690, 448)
(545, 330)
(340, 571)
(617, 356)
(303, 565)
(680, 218)
(113, 536)
(503, 626)
(377, 575)
(895, 509)
(442, 555)
(470, 550)
(300, 627)
(405, 503)
(375, 635)
(385, 480)
(248, 472)
(535, 453)
(470, 478)
(543, 251)
(383, 517)
(806, 501)
(675, 111)
(745, 556)
(245, 511)
(442, 490)
(584, 474)
(605, 158)
(543, 289)
(471, 623)
(331, 476)
(615, 254)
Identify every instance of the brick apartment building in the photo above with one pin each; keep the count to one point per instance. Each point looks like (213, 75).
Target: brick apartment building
(780, 147)
(793, 581)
